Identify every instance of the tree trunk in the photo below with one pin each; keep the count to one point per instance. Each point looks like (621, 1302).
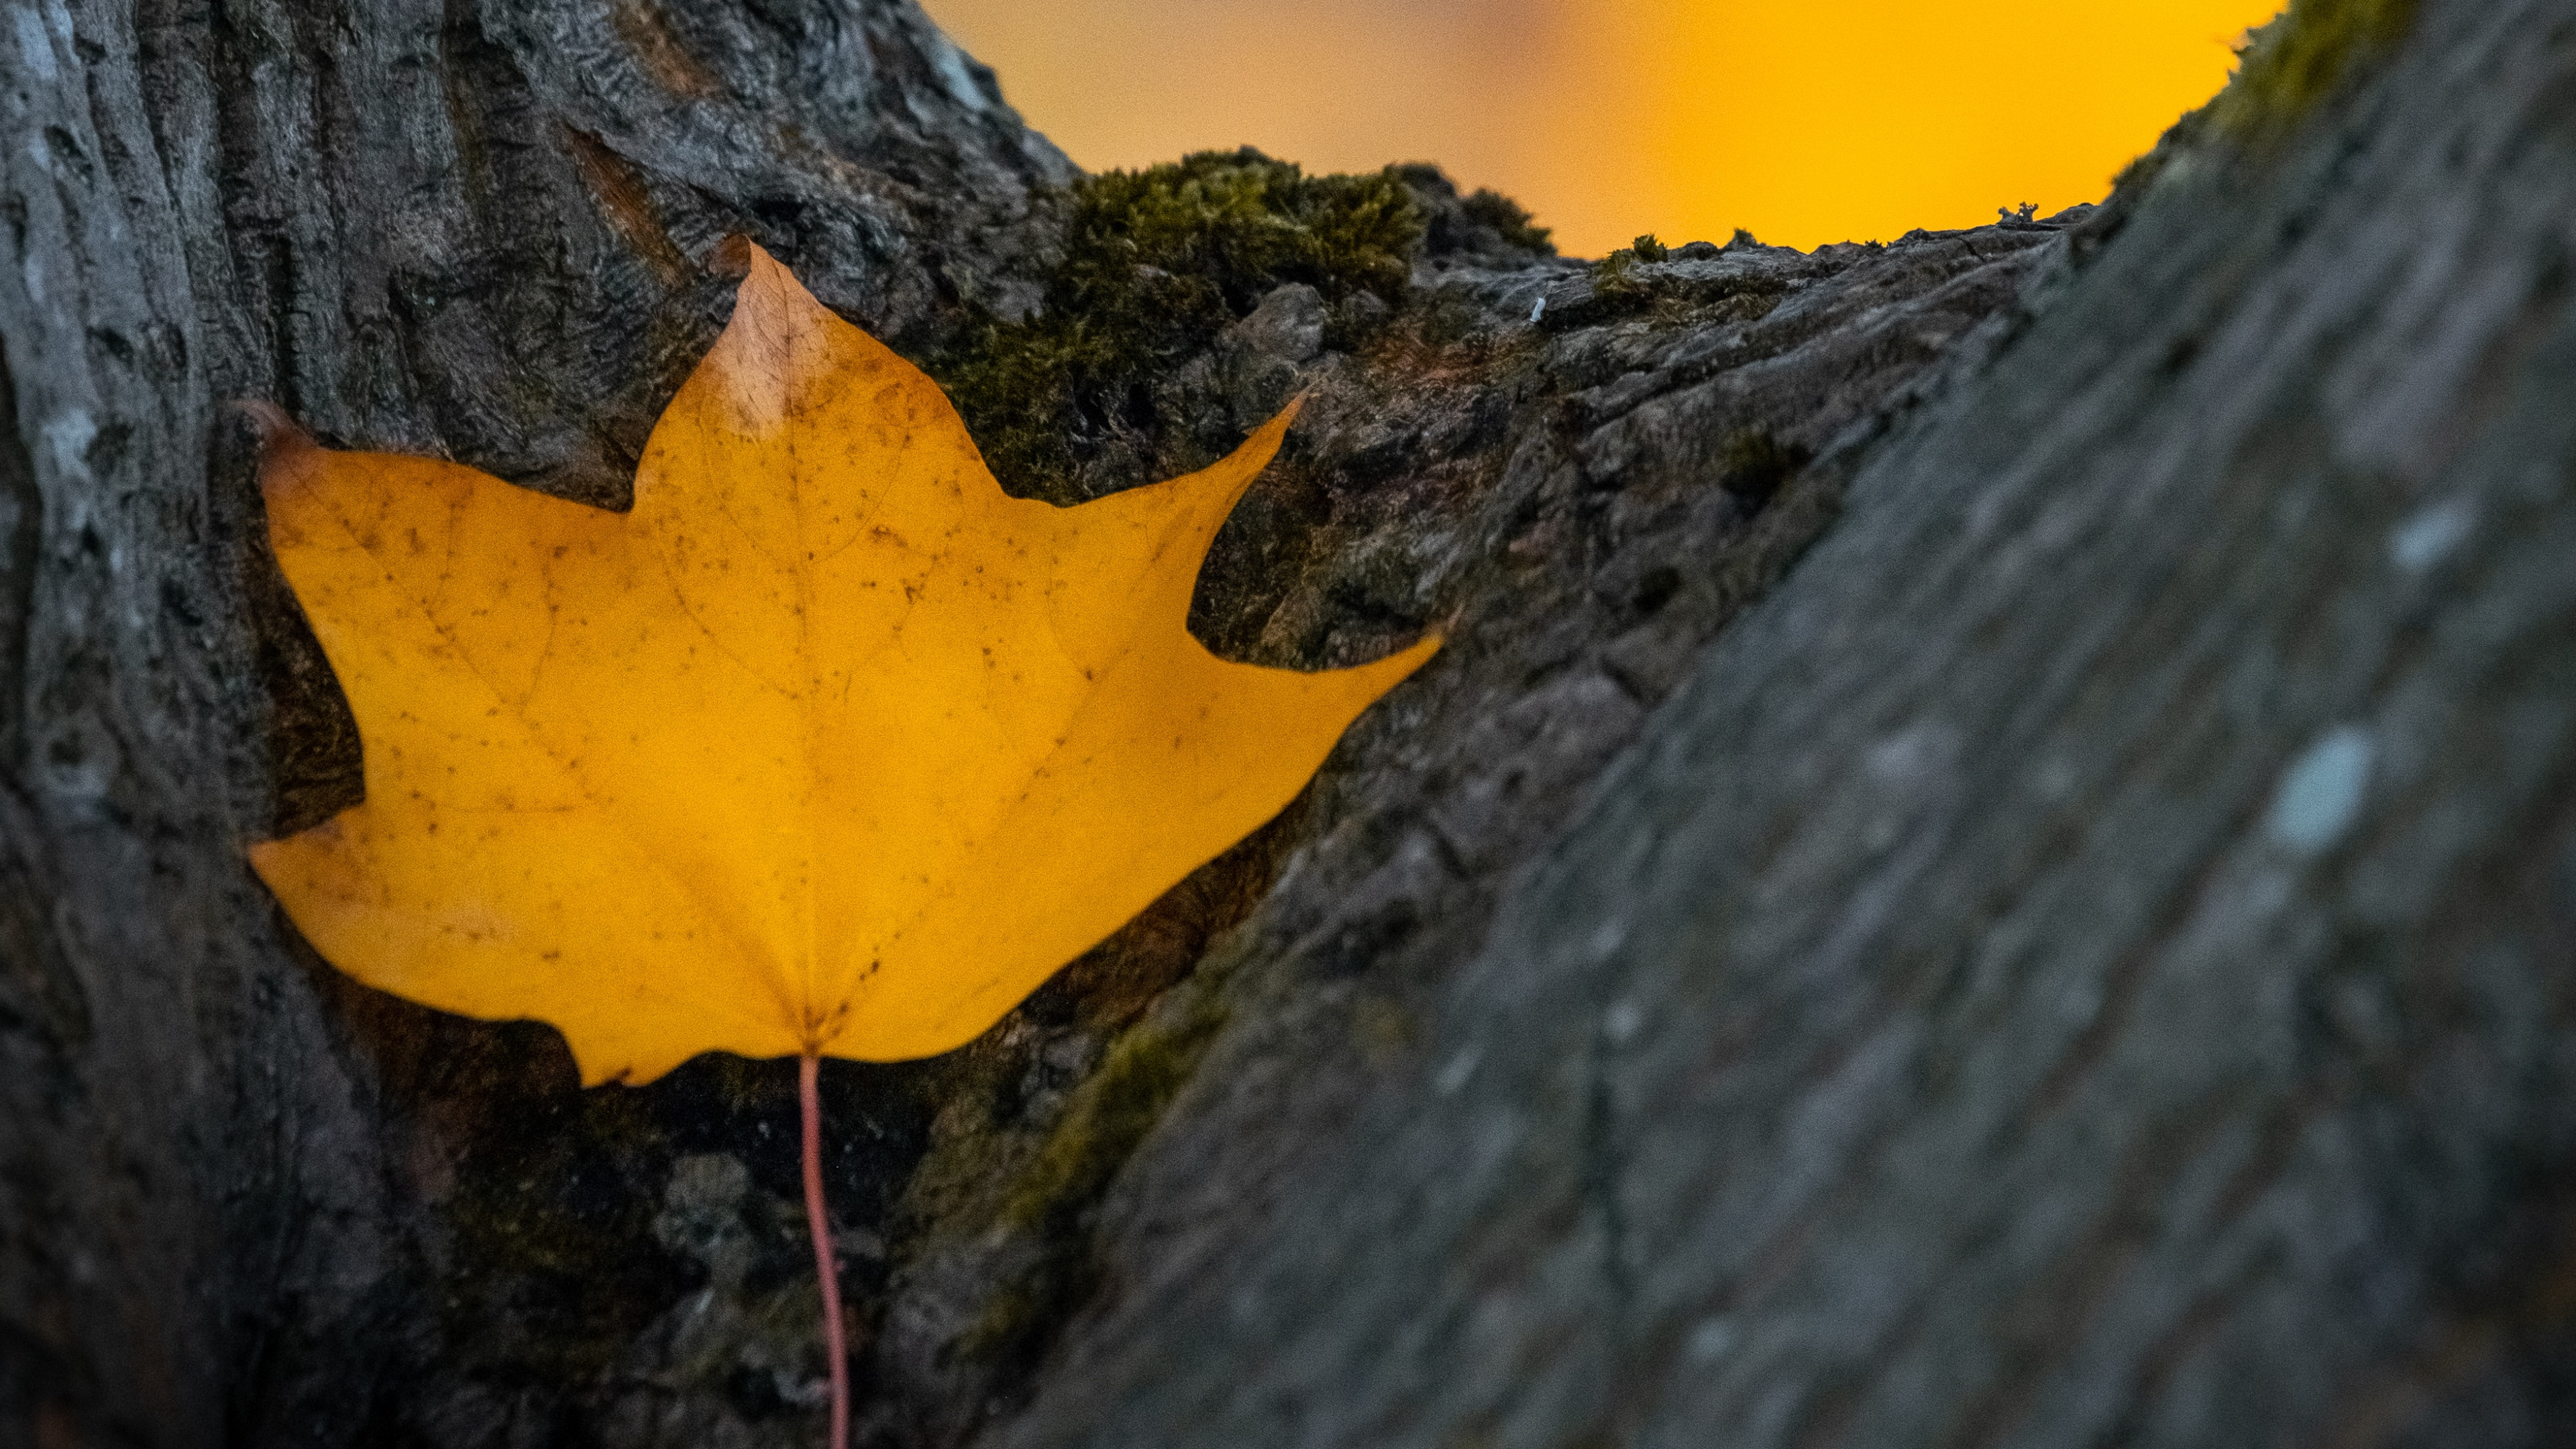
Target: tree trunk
(2080, 956)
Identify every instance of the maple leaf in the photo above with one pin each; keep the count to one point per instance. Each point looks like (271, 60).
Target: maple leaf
(827, 747)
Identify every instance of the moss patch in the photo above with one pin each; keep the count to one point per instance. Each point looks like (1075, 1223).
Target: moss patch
(1109, 1117)
(1484, 226)
(2294, 63)
(1508, 220)
(1102, 1127)
(1155, 264)
(1617, 281)
(1634, 280)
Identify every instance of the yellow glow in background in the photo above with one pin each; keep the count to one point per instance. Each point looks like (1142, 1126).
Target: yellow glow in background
(1804, 121)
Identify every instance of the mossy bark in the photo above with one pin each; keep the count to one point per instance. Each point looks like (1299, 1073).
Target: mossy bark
(1915, 1010)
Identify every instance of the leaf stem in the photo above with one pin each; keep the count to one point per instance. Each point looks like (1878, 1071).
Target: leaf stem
(809, 1096)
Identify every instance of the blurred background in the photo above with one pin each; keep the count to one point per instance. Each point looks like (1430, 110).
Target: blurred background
(1802, 121)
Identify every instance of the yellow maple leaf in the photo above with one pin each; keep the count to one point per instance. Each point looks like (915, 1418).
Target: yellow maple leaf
(828, 747)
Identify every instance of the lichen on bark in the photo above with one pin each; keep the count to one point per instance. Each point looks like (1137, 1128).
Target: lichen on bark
(2295, 62)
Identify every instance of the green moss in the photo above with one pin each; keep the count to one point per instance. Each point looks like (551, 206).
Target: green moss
(1102, 1126)
(1155, 264)
(1110, 1115)
(2291, 65)
(1486, 225)
(1615, 278)
(1509, 220)
(1621, 287)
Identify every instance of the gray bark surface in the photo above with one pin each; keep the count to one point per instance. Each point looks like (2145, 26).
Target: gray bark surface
(2080, 955)
(2086, 961)
(477, 230)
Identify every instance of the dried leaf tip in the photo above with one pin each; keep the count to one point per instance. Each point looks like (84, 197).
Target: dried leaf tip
(732, 256)
(276, 430)
(281, 440)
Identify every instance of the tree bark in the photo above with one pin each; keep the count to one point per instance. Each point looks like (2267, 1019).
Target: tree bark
(475, 230)
(2079, 955)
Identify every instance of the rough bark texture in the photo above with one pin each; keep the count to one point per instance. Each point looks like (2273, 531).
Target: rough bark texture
(2083, 958)
(235, 1191)
(2091, 959)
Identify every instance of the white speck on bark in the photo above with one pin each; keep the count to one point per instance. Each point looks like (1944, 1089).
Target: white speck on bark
(2436, 530)
(2321, 796)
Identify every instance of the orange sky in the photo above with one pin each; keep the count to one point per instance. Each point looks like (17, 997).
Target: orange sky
(1806, 121)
